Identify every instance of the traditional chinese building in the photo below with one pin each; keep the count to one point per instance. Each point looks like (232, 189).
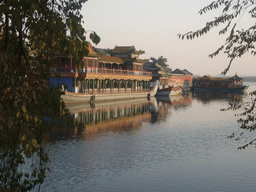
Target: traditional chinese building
(181, 78)
(130, 57)
(167, 77)
(117, 70)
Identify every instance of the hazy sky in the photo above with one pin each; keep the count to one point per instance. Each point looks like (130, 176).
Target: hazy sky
(153, 25)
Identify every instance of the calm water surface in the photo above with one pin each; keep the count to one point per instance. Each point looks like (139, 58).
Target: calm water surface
(179, 144)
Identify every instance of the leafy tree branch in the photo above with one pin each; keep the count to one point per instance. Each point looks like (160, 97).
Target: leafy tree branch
(239, 41)
(31, 32)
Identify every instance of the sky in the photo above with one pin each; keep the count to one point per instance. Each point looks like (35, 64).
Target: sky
(153, 25)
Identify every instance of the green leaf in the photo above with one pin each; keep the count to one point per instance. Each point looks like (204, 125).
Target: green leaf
(95, 38)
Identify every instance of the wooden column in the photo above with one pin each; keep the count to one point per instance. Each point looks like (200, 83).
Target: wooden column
(125, 85)
(98, 84)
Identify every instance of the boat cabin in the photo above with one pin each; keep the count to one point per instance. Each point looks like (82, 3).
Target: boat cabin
(218, 82)
(103, 72)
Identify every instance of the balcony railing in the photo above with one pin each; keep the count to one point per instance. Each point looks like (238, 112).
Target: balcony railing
(102, 71)
(105, 71)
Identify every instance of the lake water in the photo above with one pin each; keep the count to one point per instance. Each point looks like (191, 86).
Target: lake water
(179, 144)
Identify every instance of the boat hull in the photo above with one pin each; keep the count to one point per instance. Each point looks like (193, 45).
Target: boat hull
(70, 97)
(170, 91)
(221, 90)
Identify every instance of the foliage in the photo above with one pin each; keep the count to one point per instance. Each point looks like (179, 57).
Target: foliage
(246, 120)
(31, 32)
(22, 139)
(239, 41)
(161, 61)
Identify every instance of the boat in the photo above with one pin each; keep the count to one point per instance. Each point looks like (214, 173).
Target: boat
(103, 76)
(221, 89)
(169, 91)
(218, 84)
(71, 97)
(82, 107)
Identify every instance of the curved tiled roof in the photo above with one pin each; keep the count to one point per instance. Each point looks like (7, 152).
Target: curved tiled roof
(235, 77)
(126, 49)
(208, 77)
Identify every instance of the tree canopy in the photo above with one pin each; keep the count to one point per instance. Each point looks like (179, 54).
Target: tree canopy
(31, 32)
(161, 61)
(238, 41)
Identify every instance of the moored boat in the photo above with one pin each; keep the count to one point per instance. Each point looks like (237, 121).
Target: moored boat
(71, 97)
(217, 84)
(104, 75)
(221, 89)
(169, 91)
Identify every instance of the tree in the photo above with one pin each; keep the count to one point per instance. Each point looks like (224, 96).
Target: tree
(239, 41)
(161, 61)
(31, 32)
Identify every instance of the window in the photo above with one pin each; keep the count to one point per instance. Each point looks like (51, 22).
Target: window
(90, 63)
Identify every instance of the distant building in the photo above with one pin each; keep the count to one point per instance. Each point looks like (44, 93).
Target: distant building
(167, 77)
(158, 72)
(181, 78)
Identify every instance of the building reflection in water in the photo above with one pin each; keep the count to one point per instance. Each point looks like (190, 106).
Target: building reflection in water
(126, 115)
(92, 119)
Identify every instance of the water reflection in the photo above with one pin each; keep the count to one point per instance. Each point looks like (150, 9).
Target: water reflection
(209, 97)
(164, 104)
(92, 119)
(177, 101)
(126, 115)
(157, 145)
